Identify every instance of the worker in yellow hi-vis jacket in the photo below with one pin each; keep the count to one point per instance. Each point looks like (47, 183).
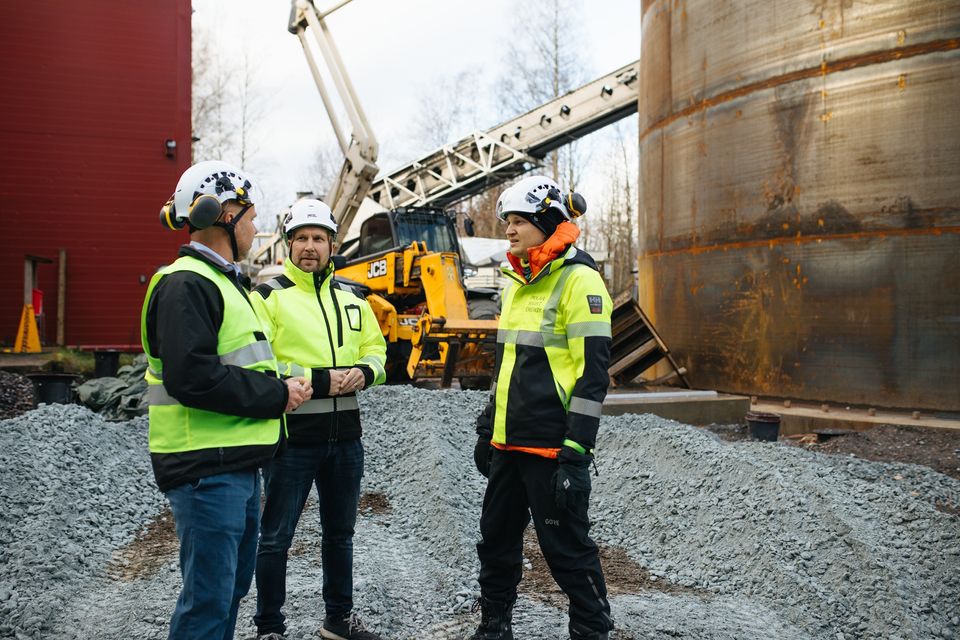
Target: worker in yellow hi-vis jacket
(537, 433)
(216, 400)
(322, 329)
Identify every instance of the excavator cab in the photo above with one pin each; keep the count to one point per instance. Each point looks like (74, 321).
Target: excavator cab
(400, 228)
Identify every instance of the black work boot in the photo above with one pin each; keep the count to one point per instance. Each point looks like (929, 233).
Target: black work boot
(579, 632)
(495, 620)
(348, 627)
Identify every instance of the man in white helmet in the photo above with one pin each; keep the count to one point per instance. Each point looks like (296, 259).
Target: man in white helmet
(216, 400)
(321, 328)
(537, 433)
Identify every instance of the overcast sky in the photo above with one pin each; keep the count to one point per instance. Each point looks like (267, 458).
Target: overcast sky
(394, 51)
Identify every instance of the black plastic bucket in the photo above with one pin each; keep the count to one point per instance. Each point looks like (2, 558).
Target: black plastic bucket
(53, 388)
(763, 426)
(106, 364)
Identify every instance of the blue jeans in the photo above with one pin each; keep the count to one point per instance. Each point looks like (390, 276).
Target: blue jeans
(336, 469)
(216, 519)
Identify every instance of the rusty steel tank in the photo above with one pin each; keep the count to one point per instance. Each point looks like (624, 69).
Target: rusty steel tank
(800, 196)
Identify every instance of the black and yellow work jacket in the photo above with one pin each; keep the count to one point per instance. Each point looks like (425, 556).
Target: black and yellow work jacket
(316, 323)
(553, 350)
(215, 399)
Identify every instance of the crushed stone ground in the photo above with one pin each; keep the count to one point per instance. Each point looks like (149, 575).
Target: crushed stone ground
(700, 538)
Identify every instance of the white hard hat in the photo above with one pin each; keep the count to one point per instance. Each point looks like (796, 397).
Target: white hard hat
(309, 213)
(536, 195)
(201, 192)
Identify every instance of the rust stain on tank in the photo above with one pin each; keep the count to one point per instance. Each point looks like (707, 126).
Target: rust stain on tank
(824, 68)
(760, 305)
(806, 239)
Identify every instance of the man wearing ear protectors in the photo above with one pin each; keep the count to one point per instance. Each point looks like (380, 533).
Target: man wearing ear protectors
(537, 433)
(216, 401)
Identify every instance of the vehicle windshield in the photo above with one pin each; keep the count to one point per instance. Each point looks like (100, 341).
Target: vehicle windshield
(433, 228)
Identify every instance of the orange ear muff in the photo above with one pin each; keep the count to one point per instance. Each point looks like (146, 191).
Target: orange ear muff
(576, 204)
(204, 211)
(168, 218)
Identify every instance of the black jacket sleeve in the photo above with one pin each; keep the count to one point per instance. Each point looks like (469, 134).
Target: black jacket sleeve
(183, 318)
(590, 390)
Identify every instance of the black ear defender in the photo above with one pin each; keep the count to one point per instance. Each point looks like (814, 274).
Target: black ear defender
(553, 195)
(204, 212)
(168, 218)
(576, 204)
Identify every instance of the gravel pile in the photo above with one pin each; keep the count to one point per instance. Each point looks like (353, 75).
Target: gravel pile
(741, 540)
(16, 394)
(73, 489)
(838, 546)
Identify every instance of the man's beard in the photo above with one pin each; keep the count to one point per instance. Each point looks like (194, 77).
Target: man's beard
(319, 268)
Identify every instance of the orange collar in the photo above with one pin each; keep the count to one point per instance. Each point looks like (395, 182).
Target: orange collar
(542, 255)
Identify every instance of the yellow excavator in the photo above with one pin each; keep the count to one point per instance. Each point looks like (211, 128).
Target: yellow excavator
(407, 259)
(409, 267)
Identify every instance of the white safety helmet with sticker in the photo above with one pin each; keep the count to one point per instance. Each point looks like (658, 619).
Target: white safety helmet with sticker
(309, 212)
(201, 192)
(536, 195)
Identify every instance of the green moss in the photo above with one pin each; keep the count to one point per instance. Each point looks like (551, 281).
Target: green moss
(73, 361)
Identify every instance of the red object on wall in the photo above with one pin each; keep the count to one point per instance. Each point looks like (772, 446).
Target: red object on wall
(91, 93)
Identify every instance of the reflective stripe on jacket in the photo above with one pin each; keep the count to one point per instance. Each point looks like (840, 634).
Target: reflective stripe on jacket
(553, 350)
(176, 428)
(315, 324)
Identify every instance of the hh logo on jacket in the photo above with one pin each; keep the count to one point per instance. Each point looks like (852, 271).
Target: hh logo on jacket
(596, 304)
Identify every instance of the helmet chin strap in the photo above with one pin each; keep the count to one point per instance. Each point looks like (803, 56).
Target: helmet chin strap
(231, 228)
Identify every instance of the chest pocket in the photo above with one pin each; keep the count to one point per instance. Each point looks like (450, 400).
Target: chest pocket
(353, 316)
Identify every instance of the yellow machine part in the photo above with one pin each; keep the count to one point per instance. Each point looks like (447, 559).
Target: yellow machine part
(463, 346)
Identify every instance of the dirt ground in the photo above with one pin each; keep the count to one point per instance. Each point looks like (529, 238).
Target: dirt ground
(620, 572)
(938, 449)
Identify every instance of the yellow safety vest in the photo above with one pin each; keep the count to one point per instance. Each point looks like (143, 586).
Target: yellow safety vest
(176, 428)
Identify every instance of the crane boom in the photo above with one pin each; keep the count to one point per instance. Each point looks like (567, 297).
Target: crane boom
(484, 159)
(360, 154)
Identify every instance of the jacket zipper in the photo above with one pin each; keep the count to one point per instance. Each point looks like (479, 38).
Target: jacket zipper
(318, 281)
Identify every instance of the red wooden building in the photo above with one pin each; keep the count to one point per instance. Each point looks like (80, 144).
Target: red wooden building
(95, 126)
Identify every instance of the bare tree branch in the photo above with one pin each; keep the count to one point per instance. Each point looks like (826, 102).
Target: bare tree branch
(542, 64)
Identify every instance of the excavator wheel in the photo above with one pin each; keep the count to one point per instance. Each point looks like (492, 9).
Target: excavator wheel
(480, 309)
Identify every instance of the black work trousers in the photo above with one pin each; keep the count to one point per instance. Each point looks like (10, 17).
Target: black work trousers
(521, 484)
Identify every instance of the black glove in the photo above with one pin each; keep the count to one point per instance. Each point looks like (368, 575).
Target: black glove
(571, 482)
(481, 455)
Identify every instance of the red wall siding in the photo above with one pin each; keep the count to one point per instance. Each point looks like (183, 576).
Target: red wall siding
(90, 92)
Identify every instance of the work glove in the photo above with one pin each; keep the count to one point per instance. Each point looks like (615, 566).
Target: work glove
(571, 481)
(481, 455)
(482, 452)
